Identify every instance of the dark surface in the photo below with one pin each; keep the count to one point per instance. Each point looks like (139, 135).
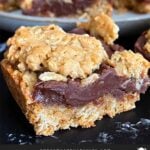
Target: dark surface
(131, 127)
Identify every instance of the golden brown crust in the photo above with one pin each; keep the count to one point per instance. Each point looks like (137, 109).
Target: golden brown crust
(48, 119)
(52, 49)
(102, 26)
(17, 85)
(130, 64)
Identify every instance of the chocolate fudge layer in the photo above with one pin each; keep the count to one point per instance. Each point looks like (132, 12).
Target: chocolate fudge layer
(75, 94)
(65, 7)
(142, 45)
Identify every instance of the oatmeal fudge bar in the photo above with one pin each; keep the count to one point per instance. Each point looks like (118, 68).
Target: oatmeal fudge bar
(58, 8)
(142, 45)
(62, 80)
(142, 6)
(8, 5)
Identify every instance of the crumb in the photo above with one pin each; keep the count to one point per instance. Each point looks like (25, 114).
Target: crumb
(102, 26)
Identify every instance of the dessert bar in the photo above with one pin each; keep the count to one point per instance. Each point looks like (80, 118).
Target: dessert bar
(69, 79)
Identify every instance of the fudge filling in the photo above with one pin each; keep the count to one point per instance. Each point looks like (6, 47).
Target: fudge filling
(59, 8)
(139, 46)
(73, 93)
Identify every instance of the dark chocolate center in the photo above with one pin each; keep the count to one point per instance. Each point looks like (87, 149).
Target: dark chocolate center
(73, 93)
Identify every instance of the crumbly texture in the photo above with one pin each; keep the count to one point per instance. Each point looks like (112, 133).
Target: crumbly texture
(48, 119)
(99, 6)
(8, 5)
(130, 64)
(147, 45)
(102, 26)
(135, 5)
(27, 59)
(52, 49)
(47, 76)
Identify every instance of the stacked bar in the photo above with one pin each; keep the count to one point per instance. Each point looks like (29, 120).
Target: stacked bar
(62, 80)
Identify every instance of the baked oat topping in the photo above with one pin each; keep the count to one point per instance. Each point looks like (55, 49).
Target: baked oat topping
(130, 64)
(47, 76)
(102, 26)
(49, 48)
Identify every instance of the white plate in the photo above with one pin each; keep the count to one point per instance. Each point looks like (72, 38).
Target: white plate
(128, 22)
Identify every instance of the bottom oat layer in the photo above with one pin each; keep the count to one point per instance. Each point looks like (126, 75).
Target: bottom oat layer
(48, 119)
